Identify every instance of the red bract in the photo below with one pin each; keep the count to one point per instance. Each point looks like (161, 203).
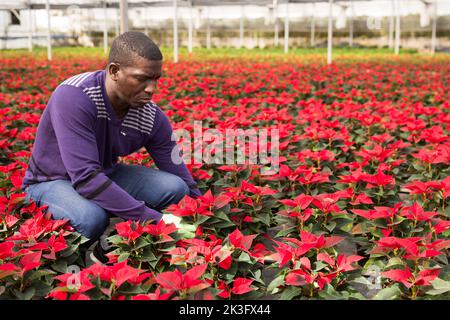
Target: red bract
(6, 250)
(379, 179)
(152, 296)
(36, 227)
(200, 252)
(354, 177)
(118, 273)
(379, 212)
(8, 269)
(342, 264)
(433, 156)
(184, 283)
(53, 245)
(238, 240)
(416, 213)
(30, 261)
(419, 187)
(356, 198)
(208, 202)
(318, 156)
(186, 207)
(161, 230)
(241, 286)
(393, 243)
(309, 177)
(130, 230)
(191, 207)
(302, 201)
(305, 275)
(327, 203)
(423, 278)
(296, 249)
(377, 153)
(259, 191)
(318, 242)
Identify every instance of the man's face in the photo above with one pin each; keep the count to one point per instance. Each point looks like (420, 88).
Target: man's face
(136, 84)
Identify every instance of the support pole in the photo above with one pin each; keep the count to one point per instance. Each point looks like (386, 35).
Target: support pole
(117, 24)
(313, 26)
(330, 31)
(208, 30)
(433, 28)
(241, 28)
(175, 31)
(352, 13)
(49, 35)
(391, 25)
(286, 29)
(105, 27)
(275, 14)
(397, 28)
(146, 21)
(30, 31)
(190, 30)
(123, 7)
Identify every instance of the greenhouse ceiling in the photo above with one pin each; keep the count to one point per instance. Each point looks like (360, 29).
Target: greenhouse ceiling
(63, 4)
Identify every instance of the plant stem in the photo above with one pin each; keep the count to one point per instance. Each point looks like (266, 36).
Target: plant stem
(414, 292)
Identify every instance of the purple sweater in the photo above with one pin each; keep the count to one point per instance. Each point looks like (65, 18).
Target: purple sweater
(79, 138)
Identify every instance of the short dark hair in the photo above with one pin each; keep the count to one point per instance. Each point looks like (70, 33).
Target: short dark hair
(129, 45)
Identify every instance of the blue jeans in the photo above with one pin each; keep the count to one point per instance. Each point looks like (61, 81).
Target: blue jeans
(157, 188)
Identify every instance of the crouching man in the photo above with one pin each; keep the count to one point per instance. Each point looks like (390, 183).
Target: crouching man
(92, 119)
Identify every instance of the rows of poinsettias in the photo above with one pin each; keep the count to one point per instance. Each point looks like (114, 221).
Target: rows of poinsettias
(359, 207)
(40, 257)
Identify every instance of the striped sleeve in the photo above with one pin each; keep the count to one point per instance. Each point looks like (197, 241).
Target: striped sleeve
(73, 117)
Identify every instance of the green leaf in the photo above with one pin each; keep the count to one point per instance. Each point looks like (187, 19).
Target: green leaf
(346, 227)
(148, 255)
(38, 274)
(231, 273)
(115, 239)
(290, 293)
(201, 219)
(389, 293)
(264, 218)
(60, 266)
(361, 280)
(277, 282)
(439, 287)
(442, 259)
(141, 242)
(224, 224)
(129, 289)
(244, 257)
(330, 226)
(27, 295)
(447, 212)
(285, 232)
(222, 215)
(394, 262)
(252, 295)
(257, 276)
(123, 256)
(319, 265)
(331, 294)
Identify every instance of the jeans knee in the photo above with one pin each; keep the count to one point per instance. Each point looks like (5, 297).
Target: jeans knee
(95, 222)
(175, 190)
(180, 190)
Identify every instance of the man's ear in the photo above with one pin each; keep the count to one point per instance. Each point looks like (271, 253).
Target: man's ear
(113, 70)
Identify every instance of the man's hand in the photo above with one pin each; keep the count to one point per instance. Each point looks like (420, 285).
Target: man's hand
(186, 231)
